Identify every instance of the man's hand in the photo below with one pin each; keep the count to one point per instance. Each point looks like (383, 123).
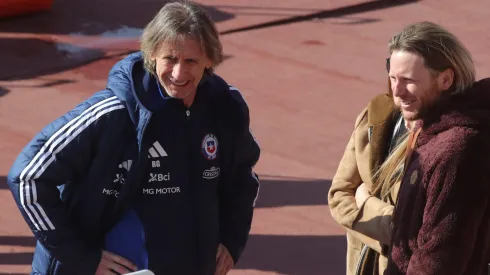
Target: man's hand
(224, 261)
(362, 194)
(111, 264)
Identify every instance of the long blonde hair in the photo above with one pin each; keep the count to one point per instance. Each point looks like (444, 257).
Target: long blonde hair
(391, 171)
(440, 50)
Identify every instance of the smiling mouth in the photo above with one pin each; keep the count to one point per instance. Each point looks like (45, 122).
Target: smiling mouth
(177, 83)
(407, 103)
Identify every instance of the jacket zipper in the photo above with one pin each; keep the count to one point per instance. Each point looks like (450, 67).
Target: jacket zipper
(191, 166)
(361, 259)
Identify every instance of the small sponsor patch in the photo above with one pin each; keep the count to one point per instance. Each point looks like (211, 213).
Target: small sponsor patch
(159, 177)
(209, 146)
(211, 173)
(161, 191)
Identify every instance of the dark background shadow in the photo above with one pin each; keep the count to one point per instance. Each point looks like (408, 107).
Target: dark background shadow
(18, 241)
(295, 255)
(292, 192)
(22, 258)
(31, 57)
(3, 183)
(3, 91)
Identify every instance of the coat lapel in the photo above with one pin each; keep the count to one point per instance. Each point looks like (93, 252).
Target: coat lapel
(381, 120)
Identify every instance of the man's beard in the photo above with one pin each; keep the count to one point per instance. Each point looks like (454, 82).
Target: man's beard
(426, 105)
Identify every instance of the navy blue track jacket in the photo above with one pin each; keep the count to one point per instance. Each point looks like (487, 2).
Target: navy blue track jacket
(119, 163)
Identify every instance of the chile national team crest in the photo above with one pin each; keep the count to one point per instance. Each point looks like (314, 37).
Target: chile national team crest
(210, 146)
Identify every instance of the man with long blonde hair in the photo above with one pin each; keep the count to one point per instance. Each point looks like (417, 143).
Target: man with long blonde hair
(441, 222)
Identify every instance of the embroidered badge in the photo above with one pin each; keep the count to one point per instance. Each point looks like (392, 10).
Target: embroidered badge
(209, 146)
(211, 173)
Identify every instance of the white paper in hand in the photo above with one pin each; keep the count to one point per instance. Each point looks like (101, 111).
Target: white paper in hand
(142, 272)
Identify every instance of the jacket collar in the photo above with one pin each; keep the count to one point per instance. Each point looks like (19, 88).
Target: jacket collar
(382, 116)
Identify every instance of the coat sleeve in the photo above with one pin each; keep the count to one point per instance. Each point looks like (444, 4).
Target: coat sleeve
(341, 197)
(374, 220)
(457, 200)
(60, 154)
(240, 191)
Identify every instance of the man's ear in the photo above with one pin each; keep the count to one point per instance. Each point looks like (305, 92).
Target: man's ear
(209, 64)
(445, 79)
